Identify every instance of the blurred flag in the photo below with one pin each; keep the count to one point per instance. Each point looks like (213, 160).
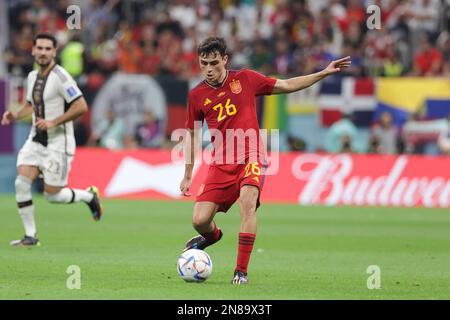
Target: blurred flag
(405, 96)
(274, 113)
(437, 108)
(355, 96)
(304, 102)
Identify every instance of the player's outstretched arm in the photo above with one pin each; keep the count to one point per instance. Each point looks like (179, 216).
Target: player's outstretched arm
(76, 109)
(302, 82)
(10, 116)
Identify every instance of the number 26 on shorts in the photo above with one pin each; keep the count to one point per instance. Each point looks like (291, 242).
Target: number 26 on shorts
(252, 168)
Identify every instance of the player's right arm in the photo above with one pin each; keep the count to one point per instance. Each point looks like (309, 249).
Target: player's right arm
(10, 116)
(189, 152)
(194, 117)
(26, 110)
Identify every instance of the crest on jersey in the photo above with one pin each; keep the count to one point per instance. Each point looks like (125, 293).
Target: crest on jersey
(235, 86)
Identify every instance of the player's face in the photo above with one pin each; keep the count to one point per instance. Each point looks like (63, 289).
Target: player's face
(44, 52)
(212, 67)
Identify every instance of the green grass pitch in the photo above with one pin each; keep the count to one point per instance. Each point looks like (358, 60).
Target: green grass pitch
(300, 252)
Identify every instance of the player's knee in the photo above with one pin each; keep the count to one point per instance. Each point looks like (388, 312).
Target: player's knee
(198, 222)
(23, 188)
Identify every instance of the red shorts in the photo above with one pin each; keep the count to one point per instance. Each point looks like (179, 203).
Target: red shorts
(223, 183)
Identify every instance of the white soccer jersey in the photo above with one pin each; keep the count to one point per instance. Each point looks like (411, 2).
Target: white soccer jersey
(51, 96)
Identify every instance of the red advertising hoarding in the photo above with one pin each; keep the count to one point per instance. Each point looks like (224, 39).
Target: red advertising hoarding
(303, 178)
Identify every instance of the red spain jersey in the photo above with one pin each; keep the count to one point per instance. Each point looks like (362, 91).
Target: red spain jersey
(230, 110)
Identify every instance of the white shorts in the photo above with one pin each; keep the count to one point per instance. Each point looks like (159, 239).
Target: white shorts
(54, 165)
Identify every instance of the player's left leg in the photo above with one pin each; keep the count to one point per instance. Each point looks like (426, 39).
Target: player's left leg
(56, 173)
(68, 195)
(26, 174)
(248, 199)
(203, 223)
(212, 197)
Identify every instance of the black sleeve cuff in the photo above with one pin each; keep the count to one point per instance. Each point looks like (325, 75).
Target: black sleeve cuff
(70, 103)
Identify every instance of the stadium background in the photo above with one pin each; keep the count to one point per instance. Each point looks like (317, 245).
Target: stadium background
(135, 62)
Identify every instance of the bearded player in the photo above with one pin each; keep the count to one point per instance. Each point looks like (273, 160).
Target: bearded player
(54, 101)
(226, 101)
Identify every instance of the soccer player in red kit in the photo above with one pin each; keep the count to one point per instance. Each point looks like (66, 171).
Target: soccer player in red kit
(226, 100)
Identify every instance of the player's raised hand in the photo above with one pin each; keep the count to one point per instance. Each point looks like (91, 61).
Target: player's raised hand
(338, 65)
(185, 185)
(7, 118)
(43, 124)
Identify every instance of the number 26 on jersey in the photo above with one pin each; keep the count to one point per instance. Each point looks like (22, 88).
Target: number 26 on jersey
(223, 111)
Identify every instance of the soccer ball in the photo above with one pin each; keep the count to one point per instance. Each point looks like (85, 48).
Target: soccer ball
(194, 265)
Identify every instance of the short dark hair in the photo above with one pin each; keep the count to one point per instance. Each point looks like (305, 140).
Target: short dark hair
(212, 45)
(47, 36)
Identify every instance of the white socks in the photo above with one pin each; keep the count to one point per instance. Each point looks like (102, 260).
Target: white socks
(82, 195)
(25, 204)
(27, 215)
(67, 195)
(26, 207)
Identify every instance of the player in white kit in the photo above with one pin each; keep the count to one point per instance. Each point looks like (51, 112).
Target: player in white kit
(54, 100)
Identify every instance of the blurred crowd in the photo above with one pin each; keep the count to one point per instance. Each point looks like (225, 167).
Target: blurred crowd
(416, 136)
(276, 37)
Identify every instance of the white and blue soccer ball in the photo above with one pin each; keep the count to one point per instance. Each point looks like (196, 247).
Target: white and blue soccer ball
(194, 265)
